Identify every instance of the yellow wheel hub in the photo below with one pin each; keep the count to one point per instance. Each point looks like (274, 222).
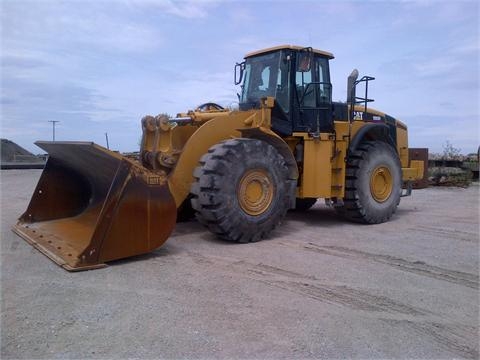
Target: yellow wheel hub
(255, 192)
(381, 183)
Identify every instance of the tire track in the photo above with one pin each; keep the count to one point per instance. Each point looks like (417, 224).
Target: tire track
(454, 338)
(451, 337)
(447, 233)
(416, 267)
(311, 287)
(264, 269)
(346, 296)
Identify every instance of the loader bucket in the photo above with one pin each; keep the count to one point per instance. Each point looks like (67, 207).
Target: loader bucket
(92, 205)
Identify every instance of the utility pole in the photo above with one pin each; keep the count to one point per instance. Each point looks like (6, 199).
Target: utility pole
(106, 138)
(53, 127)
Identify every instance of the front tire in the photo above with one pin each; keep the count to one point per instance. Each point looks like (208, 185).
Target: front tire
(373, 184)
(242, 191)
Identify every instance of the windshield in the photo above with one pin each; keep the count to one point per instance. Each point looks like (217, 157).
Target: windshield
(266, 75)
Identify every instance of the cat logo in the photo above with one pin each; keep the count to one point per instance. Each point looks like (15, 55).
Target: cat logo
(358, 115)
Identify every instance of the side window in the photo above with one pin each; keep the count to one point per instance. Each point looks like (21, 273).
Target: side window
(305, 93)
(313, 86)
(282, 85)
(303, 78)
(324, 86)
(265, 79)
(246, 84)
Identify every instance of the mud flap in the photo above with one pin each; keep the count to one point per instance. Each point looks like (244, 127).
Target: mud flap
(92, 205)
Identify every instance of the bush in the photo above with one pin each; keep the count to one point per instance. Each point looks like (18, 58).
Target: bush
(449, 176)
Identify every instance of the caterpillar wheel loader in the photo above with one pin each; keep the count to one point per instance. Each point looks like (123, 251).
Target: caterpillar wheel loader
(240, 171)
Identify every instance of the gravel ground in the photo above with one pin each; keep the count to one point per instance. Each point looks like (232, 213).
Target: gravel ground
(320, 287)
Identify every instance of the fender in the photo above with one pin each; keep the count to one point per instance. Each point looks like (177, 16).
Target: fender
(213, 132)
(278, 143)
(371, 132)
(267, 135)
(210, 133)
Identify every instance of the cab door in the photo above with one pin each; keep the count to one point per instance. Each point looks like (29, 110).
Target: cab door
(312, 94)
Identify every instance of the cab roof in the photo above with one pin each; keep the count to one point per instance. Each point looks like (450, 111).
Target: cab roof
(290, 47)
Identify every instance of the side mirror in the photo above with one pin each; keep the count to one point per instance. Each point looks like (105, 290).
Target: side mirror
(239, 69)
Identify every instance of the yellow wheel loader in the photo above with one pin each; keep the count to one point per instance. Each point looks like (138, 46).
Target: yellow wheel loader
(239, 171)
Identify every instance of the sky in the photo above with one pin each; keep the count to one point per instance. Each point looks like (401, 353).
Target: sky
(99, 66)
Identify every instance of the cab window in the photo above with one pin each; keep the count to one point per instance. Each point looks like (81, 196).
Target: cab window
(313, 86)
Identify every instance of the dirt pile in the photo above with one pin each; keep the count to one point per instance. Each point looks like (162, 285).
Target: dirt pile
(13, 156)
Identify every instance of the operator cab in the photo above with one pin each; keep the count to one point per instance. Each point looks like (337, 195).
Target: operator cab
(299, 80)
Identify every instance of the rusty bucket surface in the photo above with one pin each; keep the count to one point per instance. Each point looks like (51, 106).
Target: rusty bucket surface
(92, 205)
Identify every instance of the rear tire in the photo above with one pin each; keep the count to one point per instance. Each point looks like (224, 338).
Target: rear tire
(373, 184)
(241, 192)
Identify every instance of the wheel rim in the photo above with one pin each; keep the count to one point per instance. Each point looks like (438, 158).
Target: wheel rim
(381, 184)
(255, 192)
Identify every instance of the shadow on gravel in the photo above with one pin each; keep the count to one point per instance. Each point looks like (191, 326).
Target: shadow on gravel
(163, 251)
(317, 216)
(405, 211)
(328, 217)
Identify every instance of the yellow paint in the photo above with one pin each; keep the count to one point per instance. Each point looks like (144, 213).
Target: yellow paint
(414, 172)
(381, 183)
(207, 135)
(338, 170)
(321, 174)
(316, 179)
(255, 192)
(402, 146)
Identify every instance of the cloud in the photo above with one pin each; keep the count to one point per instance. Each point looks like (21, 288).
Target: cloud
(461, 131)
(171, 92)
(39, 101)
(75, 26)
(436, 66)
(99, 66)
(83, 114)
(13, 62)
(434, 13)
(469, 46)
(183, 9)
